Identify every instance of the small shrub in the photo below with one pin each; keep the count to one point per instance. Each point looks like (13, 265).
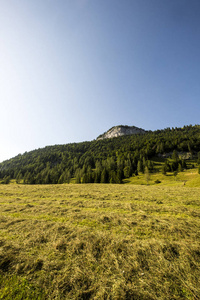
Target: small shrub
(157, 181)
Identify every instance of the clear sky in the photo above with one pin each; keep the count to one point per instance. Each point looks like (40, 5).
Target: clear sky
(71, 69)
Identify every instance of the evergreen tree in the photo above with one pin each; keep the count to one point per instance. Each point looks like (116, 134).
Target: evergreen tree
(61, 179)
(198, 160)
(180, 168)
(19, 177)
(39, 179)
(175, 174)
(104, 176)
(84, 178)
(97, 177)
(150, 165)
(127, 172)
(47, 179)
(163, 170)
(136, 172)
(112, 176)
(78, 176)
(147, 175)
(174, 166)
(183, 163)
(175, 156)
(140, 167)
(119, 176)
(6, 180)
(167, 166)
(67, 176)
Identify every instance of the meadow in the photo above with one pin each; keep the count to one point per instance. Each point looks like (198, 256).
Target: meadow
(100, 241)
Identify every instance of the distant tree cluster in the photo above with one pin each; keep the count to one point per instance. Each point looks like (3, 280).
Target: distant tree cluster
(103, 161)
(176, 164)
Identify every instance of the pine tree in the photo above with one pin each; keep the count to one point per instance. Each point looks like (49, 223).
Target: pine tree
(78, 176)
(175, 156)
(6, 180)
(180, 168)
(63, 178)
(140, 167)
(147, 175)
(119, 176)
(198, 160)
(164, 172)
(19, 177)
(127, 172)
(112, 177)
(104, 176)
(67, 176)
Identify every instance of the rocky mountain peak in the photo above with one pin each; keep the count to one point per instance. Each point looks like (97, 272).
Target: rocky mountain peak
(121, 130)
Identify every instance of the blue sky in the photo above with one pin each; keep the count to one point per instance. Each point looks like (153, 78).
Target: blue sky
(71, 69)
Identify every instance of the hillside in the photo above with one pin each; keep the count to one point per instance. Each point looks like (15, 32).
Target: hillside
(106, 160)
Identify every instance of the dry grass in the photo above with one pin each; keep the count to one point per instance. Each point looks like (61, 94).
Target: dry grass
(99, 242)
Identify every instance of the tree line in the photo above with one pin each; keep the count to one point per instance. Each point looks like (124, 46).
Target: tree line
(103, 161)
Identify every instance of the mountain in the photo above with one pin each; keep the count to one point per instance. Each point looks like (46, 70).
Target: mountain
(121, 130)
(106, 160)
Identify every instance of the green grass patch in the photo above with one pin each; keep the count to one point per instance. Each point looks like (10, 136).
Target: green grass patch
(18, 288)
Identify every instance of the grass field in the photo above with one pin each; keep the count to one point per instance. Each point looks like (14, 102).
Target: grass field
(189, 177)
(100, 241)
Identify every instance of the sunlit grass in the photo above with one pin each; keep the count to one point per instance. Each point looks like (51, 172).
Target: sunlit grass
(187, 177)
(98, 241)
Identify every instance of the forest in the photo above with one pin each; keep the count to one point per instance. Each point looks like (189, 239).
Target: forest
(107, 160)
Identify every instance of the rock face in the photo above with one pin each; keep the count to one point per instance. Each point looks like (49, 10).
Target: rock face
(121, 130)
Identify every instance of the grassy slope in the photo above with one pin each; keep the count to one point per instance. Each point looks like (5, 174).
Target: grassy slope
(100, 241)
(190, 178)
